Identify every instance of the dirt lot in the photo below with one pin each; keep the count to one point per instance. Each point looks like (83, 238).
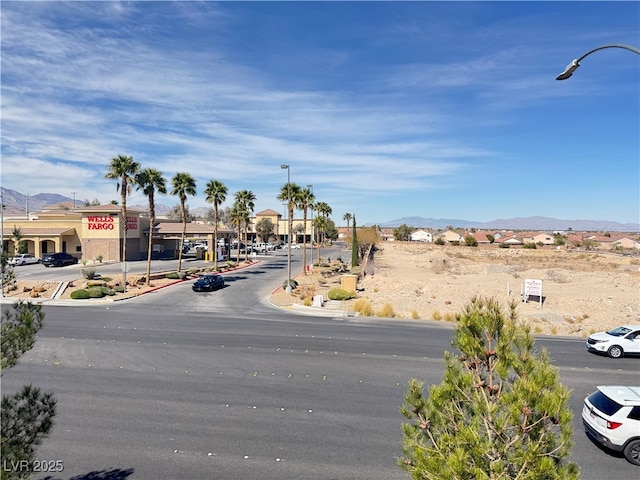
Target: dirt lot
(583, 292)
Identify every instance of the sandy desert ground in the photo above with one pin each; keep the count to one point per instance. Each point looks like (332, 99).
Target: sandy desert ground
(583, 291)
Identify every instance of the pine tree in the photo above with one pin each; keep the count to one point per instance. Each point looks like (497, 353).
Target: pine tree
(26, 417)
(500, 412)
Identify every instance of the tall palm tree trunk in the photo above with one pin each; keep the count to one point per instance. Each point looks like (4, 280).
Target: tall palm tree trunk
(152, 220)
(304, 242)
(215, 238)
(184, 232)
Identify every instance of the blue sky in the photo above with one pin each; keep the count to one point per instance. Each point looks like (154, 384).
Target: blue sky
(389, 109)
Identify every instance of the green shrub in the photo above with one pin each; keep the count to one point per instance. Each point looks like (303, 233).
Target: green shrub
(108, 291)
(118, 289)
(106, 279)
(340, 294)
(193, 271)
(294, 284)
(95, 284)
(79, 294)
(173, 275)
(89, 273)
(531, 246)
(95, 292)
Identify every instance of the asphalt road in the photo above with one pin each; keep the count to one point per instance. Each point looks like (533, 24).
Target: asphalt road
(184, 385)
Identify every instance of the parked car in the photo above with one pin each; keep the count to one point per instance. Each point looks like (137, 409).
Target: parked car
(58, 259)
(611, 416)
(617, 342)
(23, 259)
(294, 246)
(208, 282)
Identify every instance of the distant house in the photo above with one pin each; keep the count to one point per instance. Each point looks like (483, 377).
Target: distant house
(421, 236)
(386, 234)
(510, 240)
(626, 242)
(481, 237)
(450, 236)
(539, 238)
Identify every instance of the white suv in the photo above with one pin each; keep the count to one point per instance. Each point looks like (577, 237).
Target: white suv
(611, 415)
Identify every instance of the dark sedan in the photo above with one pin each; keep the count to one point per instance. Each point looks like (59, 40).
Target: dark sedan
(208, 282)
(58, 259)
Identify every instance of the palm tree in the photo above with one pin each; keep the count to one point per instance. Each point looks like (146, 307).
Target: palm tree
(289, 193)
(123, 169)
(246, 199)
(347, 217)
(216, 193)
(150, 180)
(320, 224)
(324, 210)
(239, 216)
(183, 185)
(305, 202)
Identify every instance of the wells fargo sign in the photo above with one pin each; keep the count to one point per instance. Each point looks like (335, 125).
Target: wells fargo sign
(108, 222)
(100, 223)
(132, 223)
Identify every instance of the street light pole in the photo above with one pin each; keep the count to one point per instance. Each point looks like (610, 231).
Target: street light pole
(283, 166)
(573, 66)
(310, 187)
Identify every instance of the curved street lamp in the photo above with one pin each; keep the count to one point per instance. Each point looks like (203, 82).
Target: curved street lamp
(573, 66)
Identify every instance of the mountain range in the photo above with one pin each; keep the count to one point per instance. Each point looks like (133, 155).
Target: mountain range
(17, 203)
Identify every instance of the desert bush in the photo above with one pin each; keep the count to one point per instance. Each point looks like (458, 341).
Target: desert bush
(414, 314)
(193, 271)
(89, 273)
(357, 270)
(363, 307)
(99, 258)
(95, 292)
(386, 311)
(503, 245)
(307, 302)
(450, 317)
(95, 284)
(556, 276)
(108, 291)
(292, 282)
(306, 292)
(340, 294)
(80, 294)
(118, 289)
(173, 275)
(531, 246)
(106, 279)
(436, 315)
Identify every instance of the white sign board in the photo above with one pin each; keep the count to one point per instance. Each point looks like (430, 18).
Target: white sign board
(533, 287)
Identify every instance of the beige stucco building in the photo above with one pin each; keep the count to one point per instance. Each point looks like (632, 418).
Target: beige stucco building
(96, 232)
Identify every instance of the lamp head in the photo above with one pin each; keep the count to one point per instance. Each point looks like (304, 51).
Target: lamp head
(572, 67)
(283, 166)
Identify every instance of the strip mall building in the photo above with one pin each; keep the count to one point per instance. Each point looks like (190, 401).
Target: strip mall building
(96, 232)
